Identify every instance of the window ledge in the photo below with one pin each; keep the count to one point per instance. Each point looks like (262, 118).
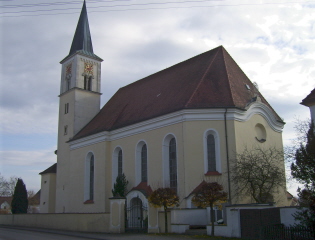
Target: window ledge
(214, 173)
(88, 202)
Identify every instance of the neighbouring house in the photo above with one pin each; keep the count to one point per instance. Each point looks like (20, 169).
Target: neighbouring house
(309, 101)
(5, 205)
(174, 128)
(292, 201)
(34, 203)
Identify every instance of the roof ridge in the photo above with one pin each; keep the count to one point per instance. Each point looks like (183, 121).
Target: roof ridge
(202, 78)
(227, 74)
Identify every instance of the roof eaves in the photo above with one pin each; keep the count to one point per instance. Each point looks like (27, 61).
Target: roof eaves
(83, 53)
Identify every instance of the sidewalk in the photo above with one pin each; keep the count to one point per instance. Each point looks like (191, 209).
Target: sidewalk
(106, 236)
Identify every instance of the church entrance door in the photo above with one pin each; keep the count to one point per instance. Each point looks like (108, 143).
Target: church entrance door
(136, 216)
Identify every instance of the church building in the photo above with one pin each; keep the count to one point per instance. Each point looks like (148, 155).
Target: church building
(175, 128)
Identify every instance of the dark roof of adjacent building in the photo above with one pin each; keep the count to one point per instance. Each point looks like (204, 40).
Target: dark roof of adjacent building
(35, 200)
(5, 199)
(210, 80)
(82, 41)
(310, 99)
(51, 169)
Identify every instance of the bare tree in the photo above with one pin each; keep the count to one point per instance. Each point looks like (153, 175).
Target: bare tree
(259, 173)
(303, 169)
(7, 186)
(301, 128)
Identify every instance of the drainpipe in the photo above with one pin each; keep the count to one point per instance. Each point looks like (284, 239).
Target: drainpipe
(227, 157)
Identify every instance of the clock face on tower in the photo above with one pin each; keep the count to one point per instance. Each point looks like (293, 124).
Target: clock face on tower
(88, 68)
(68, 69)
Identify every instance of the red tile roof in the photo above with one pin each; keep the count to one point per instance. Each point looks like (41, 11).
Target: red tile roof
(198, 188)
(310, 99)
(144, 188)
(209, 80)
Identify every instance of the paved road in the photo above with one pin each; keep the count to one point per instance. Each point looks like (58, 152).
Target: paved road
(7, 233)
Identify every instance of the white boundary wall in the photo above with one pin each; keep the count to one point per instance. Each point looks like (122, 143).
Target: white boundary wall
(83, 222)
(233, 226)
(192, 216)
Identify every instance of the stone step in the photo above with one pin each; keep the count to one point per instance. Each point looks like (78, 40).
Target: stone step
(201, 231)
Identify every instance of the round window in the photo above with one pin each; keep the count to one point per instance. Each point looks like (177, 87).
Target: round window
(260, 133)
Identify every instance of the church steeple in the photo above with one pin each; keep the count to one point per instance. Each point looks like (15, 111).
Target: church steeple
(82, 37)
(82, 41)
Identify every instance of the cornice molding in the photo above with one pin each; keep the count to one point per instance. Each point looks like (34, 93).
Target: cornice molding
(185, 115)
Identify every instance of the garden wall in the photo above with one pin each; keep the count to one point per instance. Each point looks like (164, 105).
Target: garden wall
(83, 222)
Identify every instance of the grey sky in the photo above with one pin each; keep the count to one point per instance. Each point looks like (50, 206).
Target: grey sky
(274, 44)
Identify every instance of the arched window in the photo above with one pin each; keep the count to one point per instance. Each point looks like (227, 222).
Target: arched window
(68, 83)
(117, 164)
(89, 177)
(211, 153)
(212, 162)
(89, 87)
(170, 162)
(120, 157)
(91, 192)
(173, 164)
(144, 158)
(85, 82)
(141, 163)
(88, 83)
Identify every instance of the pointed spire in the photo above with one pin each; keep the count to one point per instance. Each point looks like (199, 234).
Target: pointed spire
(82, 41)
(82, 37)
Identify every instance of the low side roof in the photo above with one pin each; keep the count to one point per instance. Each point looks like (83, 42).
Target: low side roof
(310, 99)
(209, 80)
(51, 169)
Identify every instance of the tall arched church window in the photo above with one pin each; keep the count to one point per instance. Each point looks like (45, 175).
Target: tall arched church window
(89, 177)
(91, 192)
(212, 161)
(211, 153)
(117, 164)
(144, 159)
(173, 164)
(120, 159)
(141, 162)
(170, 162)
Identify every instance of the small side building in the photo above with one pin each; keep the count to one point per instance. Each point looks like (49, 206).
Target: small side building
(309, 101)
(48, 190)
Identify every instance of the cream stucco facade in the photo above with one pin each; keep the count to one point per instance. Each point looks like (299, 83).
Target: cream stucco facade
(189, 129)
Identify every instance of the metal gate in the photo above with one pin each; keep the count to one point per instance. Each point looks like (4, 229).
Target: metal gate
(136, 216)
(253, 219)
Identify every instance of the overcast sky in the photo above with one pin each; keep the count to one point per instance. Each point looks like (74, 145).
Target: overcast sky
(273, 41)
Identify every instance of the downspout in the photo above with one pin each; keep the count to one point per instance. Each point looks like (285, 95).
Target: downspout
(227, 157)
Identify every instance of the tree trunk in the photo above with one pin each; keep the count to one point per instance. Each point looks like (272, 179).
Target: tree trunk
(165, 216)
(212, 220)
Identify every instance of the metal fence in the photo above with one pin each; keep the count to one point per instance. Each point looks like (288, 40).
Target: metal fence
(279, 232)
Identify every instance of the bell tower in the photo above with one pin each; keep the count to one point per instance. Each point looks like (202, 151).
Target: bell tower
(80, 81)
(79, 100)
